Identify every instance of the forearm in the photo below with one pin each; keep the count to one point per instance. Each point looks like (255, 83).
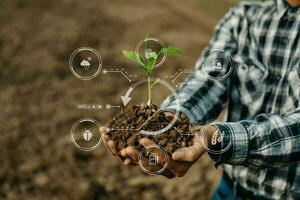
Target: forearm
(201, 99)
(268, 141)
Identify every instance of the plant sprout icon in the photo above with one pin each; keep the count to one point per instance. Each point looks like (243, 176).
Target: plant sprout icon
(85, 64)
(150, 54)
(87, 135)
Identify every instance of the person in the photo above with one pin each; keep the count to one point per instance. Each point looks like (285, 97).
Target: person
(262, 131)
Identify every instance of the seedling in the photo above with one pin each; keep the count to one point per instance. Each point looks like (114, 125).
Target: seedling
(151, 58)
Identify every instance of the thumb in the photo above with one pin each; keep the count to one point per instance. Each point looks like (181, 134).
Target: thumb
(188, 154)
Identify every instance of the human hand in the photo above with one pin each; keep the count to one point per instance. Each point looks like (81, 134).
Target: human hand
(182, 159)
(177, 164)
(110, 144)
(122, 154)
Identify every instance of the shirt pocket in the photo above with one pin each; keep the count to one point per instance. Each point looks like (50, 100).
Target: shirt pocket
(252, 86)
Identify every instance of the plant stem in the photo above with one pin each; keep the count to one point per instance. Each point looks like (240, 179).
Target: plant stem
(149, 91)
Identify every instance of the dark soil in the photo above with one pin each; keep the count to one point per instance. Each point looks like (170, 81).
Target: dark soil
(148, 118)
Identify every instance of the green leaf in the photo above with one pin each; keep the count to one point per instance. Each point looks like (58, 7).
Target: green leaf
(130, 54)
(151, 62)
(150, 65)
(144, 68)
(171, 51)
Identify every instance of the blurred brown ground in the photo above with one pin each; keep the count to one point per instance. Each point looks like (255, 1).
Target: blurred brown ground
(38, 94)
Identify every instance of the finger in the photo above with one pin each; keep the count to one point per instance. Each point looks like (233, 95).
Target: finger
(133, 153)
(112, 147)
(144, 164)
(147, 142)
(174, 115)
(103, 129)
(127, 161)
(103, 134)
(123, 153)
(163, 158)
(176, 168)
(154, 149)
(126, 157)
(188, 154)
(166, 173)
(105, 139)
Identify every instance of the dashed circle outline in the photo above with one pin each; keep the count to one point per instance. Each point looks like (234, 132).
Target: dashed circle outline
(73, 130)
(206, 54)
(202, 132)
(165, 155)
(137, 48)
(85, 49)
(176, 114)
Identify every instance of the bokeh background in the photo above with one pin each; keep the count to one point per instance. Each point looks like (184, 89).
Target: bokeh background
(39, 95)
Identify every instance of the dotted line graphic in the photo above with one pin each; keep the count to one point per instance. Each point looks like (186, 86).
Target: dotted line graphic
(121, 71)
(179, 73)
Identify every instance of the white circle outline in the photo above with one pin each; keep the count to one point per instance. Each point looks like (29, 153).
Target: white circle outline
(206, 54)
(176, 111)
(73, 130)
(85, 49)
(165, 155)
(206, 147)
(137, 48)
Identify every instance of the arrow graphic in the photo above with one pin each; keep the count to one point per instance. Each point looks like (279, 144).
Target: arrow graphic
(126, 98)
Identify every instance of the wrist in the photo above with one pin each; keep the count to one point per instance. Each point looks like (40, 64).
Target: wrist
(212, 138)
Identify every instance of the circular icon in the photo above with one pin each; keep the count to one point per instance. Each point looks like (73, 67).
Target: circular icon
(153, 159)
(85, 63)
(217, 63)
(216, 139)
(151, 48)
(85, 134)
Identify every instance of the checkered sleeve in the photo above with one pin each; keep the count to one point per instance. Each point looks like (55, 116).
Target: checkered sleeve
(269, 141)
(200, 98)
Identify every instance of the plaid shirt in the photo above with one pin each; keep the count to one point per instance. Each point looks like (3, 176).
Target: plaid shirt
(263, 128)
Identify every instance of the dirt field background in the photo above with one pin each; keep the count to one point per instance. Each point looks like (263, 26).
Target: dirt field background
(39, 95)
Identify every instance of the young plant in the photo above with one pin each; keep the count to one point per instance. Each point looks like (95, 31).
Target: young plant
(151, 58)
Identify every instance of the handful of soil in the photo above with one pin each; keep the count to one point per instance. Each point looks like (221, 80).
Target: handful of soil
(125, 128)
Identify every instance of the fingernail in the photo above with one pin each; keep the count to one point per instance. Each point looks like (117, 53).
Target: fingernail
(110, 143)
(127, 162)
(103, 129)
(123, 153)
(177, 156)
(142, 141)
